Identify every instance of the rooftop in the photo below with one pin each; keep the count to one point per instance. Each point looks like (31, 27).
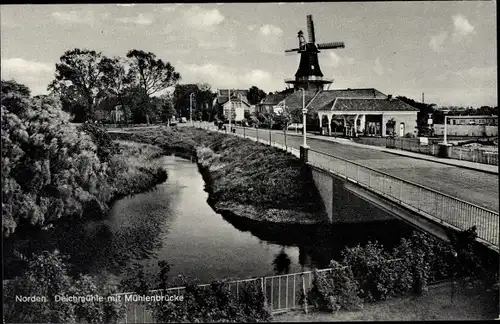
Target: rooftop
(370, 104)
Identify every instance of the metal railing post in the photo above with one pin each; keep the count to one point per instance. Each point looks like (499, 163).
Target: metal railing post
(279, 292)
(304, 293)
(286, 293)
(400, 190)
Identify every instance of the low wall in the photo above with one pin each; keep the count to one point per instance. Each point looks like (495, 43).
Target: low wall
(466, 130)
(342, 205)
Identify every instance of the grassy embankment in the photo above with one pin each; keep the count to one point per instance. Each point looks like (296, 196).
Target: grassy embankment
(243, 178)
(137, 168)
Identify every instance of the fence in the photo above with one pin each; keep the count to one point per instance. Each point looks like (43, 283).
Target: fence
(458, 153)
(430, 203)
(281, 292)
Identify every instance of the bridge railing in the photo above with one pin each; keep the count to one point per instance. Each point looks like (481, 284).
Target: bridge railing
(432, 204)
(440, 207)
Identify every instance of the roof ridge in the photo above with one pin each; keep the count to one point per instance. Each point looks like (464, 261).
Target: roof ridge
(371, 98)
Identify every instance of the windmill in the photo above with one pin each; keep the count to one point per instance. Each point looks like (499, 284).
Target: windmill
(309, 75)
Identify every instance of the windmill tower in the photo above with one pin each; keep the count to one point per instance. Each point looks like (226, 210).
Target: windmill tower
(309, 75)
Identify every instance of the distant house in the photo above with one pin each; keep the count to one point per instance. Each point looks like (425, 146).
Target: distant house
(271, 103)
(360, 111)
(238, 103)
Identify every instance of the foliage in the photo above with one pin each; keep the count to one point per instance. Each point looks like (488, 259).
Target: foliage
(255, 95)
(202, 99)
(47, 276)
(52, 170)
(49, 170)
(372, 273)
(153, 74)
(105, 146)
(378, 275)
(214, 303)
(334, 290)
(83, 75)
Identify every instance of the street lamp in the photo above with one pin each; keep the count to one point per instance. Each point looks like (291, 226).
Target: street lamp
(445, 122)
(304, 112)
(191, 108)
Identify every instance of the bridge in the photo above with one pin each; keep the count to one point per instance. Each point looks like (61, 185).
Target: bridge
(429, 194)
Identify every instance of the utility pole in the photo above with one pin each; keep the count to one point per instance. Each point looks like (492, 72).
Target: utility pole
(230, 109)
(191, 108)
(304, 112)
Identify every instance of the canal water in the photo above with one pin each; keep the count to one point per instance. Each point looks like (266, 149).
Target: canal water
(174, 222)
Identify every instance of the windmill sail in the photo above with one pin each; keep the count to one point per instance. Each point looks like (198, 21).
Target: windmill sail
(310, 29)
(331, 45)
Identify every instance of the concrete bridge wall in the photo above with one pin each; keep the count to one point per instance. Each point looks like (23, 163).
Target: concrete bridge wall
(341, 204)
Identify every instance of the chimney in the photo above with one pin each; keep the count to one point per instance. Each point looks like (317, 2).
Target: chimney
(423, 98)
(389, 97)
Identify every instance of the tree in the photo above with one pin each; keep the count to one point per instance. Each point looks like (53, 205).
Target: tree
(167, 110)
(255, 95)
(201, 98)
(152, 74)
(82, 74)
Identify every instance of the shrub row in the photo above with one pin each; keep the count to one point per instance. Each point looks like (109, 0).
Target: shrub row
(370, 273)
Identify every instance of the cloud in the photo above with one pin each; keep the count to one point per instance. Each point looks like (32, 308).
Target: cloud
(336, 60)
(36, 75)
(141, 19)
(487, 75)
(200, 18)
(462, 27)
(126, 4)
(378, 68)
(75, 17)
(220, 76)
(436, 42)
(251, 27)
(169, 8)
(271, 30)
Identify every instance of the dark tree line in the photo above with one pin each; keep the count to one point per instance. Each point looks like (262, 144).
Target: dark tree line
(89, 82)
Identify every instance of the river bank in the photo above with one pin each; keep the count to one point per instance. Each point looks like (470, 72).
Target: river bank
(242, 177)
(132, 170)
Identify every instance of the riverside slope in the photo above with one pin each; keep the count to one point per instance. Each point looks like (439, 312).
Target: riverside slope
(244, 178)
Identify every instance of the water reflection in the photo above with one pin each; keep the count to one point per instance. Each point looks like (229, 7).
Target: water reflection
(282, 263)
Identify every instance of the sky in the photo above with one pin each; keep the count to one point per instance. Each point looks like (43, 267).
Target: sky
(446, 50)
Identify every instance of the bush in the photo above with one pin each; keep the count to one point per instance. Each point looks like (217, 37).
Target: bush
(335, 290)
(47, 276)
(370, 273)
(105, 146)
(49, 169)
(214, 303)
